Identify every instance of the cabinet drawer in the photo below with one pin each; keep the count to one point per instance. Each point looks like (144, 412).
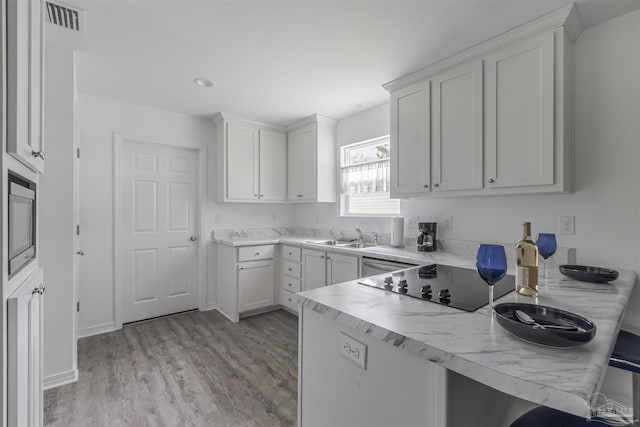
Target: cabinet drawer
(291, 253)
(291, 284)
(288, 300)
(250, 253)
(291, 269)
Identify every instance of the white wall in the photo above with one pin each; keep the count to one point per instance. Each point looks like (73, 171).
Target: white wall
(99, 118)
(606, 201)
(56, 216)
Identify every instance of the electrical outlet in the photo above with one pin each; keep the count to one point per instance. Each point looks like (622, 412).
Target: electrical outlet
(447, 223)
(353, 350)
(567, 225)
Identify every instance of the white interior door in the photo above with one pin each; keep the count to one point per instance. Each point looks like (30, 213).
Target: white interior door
(159, 228)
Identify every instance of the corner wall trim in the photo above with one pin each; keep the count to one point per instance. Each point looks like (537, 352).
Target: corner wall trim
(97, 329)
(57, 380)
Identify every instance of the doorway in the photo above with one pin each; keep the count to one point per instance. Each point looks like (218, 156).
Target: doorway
(157, 220)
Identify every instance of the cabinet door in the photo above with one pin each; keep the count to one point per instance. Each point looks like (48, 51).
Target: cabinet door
(273, 165)
(309, 163)
(294, 166)
(341, 268)
(519, 104)
(24, 82)
(24, 353)
(410, 157)
(242, 162)
(456, 109)
(255, 285)
(315, 269)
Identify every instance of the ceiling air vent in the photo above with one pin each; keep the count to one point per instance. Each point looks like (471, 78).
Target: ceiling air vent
(65, 16)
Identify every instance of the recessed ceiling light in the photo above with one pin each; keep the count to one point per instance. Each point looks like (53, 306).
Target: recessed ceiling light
(204, 82)
(355, 105)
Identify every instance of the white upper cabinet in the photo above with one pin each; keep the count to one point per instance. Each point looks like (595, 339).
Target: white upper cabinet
(25, 53)
(311, 160)
(457, 128)
(410, 141)
(242, 162)
(251, 161)
(519, 110)
(273, 165)
(501, 116)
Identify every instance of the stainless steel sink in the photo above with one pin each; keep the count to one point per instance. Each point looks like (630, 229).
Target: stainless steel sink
(342, 243)
(358, 245)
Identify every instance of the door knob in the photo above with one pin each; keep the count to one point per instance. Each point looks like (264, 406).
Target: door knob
(80, 252)
(193, 238)
(38, 154)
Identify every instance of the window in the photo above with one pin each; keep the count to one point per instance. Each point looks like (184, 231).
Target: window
(365, 179)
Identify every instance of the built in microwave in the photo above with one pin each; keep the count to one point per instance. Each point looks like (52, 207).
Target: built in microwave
(22, 223)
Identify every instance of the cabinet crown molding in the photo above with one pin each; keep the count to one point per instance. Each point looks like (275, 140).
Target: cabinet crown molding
(566, 16)
(221, 117)
(314, 118)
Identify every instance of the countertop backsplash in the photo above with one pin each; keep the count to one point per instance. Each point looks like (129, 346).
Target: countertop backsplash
(462, 248)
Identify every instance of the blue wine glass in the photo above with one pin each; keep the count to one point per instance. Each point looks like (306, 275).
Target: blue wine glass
(491, 262)
(547, 245)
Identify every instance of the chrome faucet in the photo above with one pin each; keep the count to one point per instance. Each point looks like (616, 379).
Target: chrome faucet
(360, 238)
(375, 238)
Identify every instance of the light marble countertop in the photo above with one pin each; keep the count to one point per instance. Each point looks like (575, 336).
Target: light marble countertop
(474, 345)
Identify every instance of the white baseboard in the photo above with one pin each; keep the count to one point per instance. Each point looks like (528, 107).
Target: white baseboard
(57, 380)
(210, 306)
(96, 330)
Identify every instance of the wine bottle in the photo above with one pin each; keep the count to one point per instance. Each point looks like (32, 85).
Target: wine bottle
(526, 264)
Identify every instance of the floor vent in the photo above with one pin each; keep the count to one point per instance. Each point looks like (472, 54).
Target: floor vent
(65, 16)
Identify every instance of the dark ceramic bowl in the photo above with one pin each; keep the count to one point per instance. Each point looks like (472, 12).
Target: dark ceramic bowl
(585, 273)
(586, 330)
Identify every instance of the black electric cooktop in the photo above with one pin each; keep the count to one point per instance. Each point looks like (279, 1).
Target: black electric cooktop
(455, 287)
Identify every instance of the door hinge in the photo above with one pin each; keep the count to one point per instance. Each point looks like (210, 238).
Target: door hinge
(77, 152)
(78, 230)
(78, 306)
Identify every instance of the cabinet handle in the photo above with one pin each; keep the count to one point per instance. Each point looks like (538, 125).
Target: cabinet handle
(491, 180)
(328, 257)
(80, 252)
(290, 253)
(262, 195)
(38, 154)
(290, 269)
(241, 268)
(255, 195)
(289, 299)
(426, 186)
(299, 195)
(321, 256)
(256, 254)
(436, 185)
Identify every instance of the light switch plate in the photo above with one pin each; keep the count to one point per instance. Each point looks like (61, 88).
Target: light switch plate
(353, 350)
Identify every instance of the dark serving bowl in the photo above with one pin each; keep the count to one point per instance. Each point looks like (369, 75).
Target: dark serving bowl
(586, 330)
(586, 273)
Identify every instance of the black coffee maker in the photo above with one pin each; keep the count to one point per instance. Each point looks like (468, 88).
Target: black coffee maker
(427, 237)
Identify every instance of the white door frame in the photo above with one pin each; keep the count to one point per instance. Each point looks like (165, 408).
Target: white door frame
(201, 156)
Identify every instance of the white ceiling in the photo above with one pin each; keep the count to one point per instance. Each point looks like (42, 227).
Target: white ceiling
(279, 61)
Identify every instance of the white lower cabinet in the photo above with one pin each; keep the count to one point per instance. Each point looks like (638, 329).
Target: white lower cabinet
(255, 285)
(24, 353)
(245, 279)
(291, 279)
(326, 268)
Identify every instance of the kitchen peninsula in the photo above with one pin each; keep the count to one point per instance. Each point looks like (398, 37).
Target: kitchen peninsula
(418, 354)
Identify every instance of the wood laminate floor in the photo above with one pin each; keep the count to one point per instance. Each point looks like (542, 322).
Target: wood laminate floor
(190, 369)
